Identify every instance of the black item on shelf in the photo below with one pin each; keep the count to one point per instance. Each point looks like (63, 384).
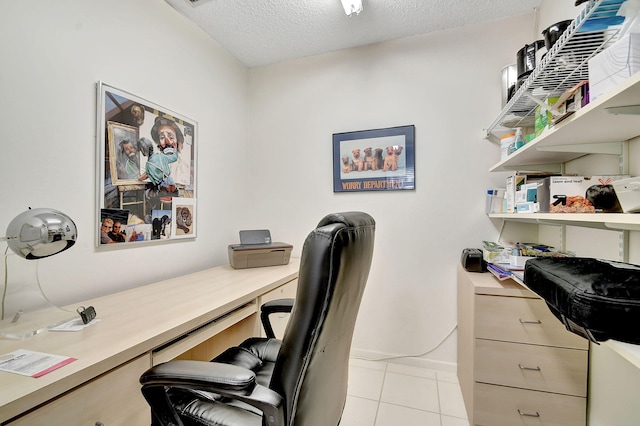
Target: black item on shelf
(596, 299)
(526, 58)
(472, 260)
(564, 66)
(553, 32)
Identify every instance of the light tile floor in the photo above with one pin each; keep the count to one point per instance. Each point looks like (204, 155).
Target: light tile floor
(387, 394)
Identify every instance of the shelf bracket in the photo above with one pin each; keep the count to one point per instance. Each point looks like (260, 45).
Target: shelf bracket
(622, 226)
(613, 148)
(486, 134)
(629, 109)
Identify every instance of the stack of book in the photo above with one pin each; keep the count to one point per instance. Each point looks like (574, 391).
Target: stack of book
(504, 271)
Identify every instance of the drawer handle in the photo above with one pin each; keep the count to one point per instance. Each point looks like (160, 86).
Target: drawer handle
(522, 367)
(530, 322)
(528, 414)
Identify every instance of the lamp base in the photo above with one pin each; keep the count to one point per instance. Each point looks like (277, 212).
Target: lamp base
(28, 324)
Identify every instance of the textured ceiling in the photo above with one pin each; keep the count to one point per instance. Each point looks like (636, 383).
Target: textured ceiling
(260, 32)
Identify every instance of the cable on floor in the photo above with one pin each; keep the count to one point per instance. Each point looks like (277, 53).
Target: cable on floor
(385, 358)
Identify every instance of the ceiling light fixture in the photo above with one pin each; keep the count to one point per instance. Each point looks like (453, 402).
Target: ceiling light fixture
(352, 6)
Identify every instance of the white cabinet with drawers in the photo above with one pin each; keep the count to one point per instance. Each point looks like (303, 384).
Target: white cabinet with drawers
(516, 362)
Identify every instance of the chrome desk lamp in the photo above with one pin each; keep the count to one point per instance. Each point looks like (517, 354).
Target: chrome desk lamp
(34, 234)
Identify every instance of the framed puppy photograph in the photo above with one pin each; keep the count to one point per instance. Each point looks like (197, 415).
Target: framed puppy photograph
(374, 160)
(146, 163)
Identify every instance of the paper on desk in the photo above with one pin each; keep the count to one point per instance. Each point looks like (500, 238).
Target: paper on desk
(73, 325)
(33, 364)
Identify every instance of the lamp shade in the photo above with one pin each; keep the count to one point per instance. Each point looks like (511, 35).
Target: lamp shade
(39, 233)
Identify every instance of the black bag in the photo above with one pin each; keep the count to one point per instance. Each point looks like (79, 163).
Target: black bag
(596, 299)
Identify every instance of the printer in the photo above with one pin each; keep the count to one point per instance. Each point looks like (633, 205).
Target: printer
(256, 250)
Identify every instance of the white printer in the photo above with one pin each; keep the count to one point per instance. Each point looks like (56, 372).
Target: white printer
(256, 250)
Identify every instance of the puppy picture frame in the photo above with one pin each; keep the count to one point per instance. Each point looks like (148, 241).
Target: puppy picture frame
(146, 162)
(374, 160)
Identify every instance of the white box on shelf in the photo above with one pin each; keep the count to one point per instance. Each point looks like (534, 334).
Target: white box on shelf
(628, 192)
(614, 65)
(514, 182)
(518, 261)
(495, 201)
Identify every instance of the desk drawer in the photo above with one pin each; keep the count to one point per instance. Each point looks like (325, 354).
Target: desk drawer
(522, 320)
(505, 406)
(212, 330)
(112, 399)
(534, 367)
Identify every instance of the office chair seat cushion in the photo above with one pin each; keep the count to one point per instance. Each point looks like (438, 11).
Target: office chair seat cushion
(198, 412)
(256, 354)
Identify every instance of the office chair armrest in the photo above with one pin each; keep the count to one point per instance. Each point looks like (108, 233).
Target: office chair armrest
(223, 379)
(272, 307)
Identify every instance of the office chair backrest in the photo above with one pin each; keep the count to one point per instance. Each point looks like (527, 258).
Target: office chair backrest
(312, 366)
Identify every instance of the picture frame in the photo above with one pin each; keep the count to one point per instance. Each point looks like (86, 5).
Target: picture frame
(146, 162)
(183, 212)
(374, 160)
(117, 134)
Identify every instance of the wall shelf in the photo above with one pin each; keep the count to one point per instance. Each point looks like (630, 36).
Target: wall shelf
(565, 65)
(587, 131)
(611, 221)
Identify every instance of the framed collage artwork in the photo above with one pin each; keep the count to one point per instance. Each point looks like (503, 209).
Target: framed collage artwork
(146, 171)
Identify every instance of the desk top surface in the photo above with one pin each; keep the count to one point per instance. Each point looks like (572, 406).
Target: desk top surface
(133, 322)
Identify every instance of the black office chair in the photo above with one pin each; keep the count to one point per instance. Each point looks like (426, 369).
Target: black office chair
(299, 381)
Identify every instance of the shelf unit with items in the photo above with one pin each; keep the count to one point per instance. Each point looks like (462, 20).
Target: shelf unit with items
(564, 66)
(606, 125)
(601, 127)
(609, 125)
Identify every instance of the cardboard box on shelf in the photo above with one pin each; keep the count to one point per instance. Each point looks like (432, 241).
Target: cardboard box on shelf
(543, 116)
(514, 182)
(579, 194)
(614, 65)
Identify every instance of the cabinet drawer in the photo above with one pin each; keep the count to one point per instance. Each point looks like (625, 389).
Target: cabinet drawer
(287, 290)
(522, 320)
(542, 368)
(505, 406)
(112, 399)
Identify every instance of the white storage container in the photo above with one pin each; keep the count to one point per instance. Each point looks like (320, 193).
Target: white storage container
(614, 65)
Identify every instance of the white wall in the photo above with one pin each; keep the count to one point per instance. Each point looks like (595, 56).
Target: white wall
(53, 53)
(447, 84)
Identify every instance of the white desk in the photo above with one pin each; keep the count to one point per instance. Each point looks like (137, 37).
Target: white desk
(138, 328)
